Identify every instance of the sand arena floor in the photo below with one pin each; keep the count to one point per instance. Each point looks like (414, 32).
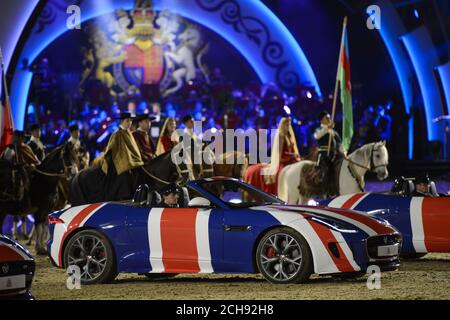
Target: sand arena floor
(425, 278)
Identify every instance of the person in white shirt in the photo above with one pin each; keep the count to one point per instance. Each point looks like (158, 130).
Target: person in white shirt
(79, 148)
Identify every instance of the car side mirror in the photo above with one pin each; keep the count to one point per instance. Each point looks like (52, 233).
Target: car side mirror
(199, 202)
(141, 195)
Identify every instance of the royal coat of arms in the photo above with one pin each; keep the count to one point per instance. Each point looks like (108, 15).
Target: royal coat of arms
(128, 49)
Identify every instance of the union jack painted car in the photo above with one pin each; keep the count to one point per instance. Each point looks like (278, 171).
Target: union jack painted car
(16, 270)
(222, 226)
(424, 222)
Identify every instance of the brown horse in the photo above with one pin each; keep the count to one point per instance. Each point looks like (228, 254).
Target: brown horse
(58, 167)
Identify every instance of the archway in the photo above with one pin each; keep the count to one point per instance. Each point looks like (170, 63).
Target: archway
(249, 26)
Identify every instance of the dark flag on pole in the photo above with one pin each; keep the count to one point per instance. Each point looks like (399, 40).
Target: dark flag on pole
(6, 120)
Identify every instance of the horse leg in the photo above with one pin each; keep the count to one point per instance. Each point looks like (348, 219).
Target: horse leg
(303, 199)
(23, 229)
(31, 236)
(40, 230)
(14, 231)
(2, 219)
(293, 196)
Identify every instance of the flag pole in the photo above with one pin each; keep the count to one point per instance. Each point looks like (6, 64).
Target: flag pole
(8, 102)
(333, 112)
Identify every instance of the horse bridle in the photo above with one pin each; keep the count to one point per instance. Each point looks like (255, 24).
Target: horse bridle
(370, 168)
(372, 165)
(64, 173)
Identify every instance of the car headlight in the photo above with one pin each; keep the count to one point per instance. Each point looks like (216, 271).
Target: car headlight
(376, 213)
(313, 203)
(336, 225)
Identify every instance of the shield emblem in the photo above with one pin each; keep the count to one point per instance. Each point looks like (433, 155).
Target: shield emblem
(144, 64)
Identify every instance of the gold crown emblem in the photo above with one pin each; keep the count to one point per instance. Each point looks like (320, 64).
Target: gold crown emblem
(142, 23)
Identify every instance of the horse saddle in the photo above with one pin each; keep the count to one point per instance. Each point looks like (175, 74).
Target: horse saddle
(315, 184)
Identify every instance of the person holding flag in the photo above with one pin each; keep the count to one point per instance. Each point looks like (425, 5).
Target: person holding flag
(331, 147)
(328, 155)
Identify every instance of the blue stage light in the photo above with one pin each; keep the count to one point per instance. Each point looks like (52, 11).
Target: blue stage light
(424, 58)
(391, 29)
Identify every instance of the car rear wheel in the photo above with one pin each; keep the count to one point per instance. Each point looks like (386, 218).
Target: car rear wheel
(92, 253)
(283, 256)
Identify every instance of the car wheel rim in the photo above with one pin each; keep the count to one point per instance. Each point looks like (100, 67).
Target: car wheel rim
(89, 254)
(281, 257)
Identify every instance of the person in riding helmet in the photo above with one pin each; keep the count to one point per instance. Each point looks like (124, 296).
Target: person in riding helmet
(170, 195)
(122, 152)
(422, 186)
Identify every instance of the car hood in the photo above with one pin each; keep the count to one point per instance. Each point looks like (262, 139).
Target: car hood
(11, 250)
(371, 226)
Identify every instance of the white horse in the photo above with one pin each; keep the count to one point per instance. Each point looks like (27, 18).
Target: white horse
(370, 157)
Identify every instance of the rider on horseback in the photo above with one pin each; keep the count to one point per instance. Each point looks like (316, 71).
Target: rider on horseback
(329, 155)
(35, 142)
(78, 146)
(122, 152)
(22, 158)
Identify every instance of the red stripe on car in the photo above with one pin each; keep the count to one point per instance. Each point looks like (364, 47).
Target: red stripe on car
(436, 223)
(178, 240)
(353, 199)
(327, 237)
(9, 254)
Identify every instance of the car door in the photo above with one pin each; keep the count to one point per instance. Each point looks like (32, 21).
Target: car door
(241, 227)
(177, 240)
(137, 259)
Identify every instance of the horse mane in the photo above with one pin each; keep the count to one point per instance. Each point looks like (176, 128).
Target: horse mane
(362, 149)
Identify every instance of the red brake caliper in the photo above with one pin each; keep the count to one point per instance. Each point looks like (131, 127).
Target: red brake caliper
(270, 253)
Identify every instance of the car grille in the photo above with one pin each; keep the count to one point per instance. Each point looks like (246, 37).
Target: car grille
(378, 241)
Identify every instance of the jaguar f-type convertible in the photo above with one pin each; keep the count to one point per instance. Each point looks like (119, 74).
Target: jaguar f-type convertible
(221, 225)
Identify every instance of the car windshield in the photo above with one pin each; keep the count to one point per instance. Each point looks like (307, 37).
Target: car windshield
(238, 194)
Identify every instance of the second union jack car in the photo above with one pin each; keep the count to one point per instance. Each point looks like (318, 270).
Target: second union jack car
(424, 222)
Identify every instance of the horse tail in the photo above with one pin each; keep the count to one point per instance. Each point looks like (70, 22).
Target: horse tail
(282, 192)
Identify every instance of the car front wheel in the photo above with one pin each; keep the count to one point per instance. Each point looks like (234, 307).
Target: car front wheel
(283, 256)
(92, 254)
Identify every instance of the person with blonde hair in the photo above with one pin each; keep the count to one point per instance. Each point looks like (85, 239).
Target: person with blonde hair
(284, 152)
(168, 137)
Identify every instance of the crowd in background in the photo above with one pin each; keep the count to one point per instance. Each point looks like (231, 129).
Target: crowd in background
(219, 106)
